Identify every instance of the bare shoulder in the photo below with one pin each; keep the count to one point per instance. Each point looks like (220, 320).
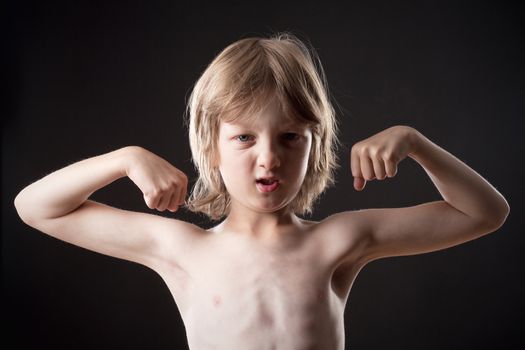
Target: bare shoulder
(343, 236)
(177, 239)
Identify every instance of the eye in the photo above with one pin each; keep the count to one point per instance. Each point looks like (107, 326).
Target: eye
(242, 138)
(290, 136)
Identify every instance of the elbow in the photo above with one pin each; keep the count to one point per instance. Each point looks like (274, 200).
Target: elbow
(505, 215)
(21, 209)
(18, 207)
(505, 211)
(499, 219)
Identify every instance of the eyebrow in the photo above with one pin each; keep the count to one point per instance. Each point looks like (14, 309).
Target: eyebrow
(293, 123)
(247, 124)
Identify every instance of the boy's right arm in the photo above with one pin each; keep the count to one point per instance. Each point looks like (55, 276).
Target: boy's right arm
(58, 205)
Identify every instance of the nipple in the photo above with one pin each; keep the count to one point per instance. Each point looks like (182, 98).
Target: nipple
(217, 300)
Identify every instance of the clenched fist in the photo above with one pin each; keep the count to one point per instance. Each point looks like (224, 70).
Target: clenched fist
(163, 185)
(378, 156)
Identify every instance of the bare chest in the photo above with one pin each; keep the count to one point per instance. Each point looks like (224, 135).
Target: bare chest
(249, 295)
(243, 302)
(246, 296)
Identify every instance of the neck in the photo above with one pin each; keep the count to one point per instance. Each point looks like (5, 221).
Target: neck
(259, 225)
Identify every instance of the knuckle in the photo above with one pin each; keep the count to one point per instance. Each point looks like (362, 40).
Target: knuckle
(374, 152)
(362, 151)
(175, 183)
(150, 194)
(389, 157)
(182, 175)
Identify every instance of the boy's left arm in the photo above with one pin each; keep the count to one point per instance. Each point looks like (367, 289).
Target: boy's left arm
(471, 207)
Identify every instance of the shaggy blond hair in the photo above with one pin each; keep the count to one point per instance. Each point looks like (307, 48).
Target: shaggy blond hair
(239, 82)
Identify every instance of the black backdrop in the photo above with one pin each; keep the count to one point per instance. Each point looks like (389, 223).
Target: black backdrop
(86, 77)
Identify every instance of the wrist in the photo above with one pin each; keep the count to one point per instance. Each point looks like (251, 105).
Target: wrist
(415, 140)
(127, 157)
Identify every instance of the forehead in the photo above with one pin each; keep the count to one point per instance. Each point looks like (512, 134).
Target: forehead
(255, 122)
(257, 113)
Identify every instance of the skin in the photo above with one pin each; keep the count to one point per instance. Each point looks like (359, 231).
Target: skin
(249, 150)
(263, 278)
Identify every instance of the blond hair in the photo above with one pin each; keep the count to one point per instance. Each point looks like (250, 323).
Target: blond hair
(237, 82)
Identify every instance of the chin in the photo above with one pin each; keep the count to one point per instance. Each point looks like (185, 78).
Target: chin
(270, 208)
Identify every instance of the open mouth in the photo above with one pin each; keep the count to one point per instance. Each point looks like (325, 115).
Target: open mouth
(267, 185)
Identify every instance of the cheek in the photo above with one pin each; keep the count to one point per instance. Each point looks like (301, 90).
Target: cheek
(234, 165)
(302, 154)
(231, 157)
(296, 163)
(304, 159)
(297, 158)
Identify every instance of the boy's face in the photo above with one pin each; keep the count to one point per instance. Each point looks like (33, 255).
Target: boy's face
(270, 145)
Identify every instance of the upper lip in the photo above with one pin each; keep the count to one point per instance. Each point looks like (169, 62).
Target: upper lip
(272, 178)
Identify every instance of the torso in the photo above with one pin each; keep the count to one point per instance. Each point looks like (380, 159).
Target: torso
(237, 294)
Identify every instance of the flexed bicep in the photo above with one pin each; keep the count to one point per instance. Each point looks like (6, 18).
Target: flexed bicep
(417, 229)
(139, 237)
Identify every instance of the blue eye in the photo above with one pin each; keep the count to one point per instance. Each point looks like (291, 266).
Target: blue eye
(288, 136)
(240, 138)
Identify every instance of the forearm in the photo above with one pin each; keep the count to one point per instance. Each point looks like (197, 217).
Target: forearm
(66, 189)
(459, 185)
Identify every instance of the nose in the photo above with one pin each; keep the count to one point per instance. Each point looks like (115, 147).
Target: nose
(269, 157)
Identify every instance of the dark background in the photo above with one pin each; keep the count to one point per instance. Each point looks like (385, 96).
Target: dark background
(87, 77)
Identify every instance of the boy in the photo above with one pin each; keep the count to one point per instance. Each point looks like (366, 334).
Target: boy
(263, 140)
